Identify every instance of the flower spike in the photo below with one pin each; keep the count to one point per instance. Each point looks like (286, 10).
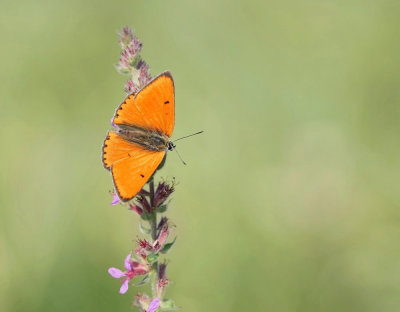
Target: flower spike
(149, 203)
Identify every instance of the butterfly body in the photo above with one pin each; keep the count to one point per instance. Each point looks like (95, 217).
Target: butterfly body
(152, 140)
(143, 125)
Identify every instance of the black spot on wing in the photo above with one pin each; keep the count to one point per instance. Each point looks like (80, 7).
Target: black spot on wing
(142, 175)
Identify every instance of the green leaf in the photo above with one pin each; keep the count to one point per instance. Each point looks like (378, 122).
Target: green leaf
(145, 280)
(135, 61)
(151, 258)
(143, 229)
(146, 216)
(124, 71)
(168, 305)
(162, 208)
(167, 246)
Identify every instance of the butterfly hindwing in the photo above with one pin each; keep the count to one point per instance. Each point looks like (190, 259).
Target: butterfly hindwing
(131, 173)
(131, 165)
(153, 107)
(116, 148)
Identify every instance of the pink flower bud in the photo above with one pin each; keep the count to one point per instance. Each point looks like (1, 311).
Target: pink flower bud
(162, 222)
(130, 57)
(136, 209)
(143, 203)
(141, 253)
(131, 87)
(163, 191)
(142, 301)
(145, 244)
(161, 286)
(125, 36)
(162, 238)
(162, 268)
(144, 76)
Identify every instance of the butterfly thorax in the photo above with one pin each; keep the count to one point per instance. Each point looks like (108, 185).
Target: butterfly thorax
(152, 140)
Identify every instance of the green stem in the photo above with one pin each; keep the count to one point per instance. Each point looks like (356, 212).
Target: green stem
(153, 220)
(153, 227)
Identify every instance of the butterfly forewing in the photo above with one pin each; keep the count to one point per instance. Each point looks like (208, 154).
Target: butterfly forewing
(153, 107)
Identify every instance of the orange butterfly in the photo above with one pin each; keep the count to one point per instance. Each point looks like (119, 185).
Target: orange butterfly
(144, 123)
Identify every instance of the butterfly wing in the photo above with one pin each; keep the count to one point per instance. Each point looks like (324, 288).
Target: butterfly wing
(115, 148)
(131, 165)
(131, 173)
(153, 107)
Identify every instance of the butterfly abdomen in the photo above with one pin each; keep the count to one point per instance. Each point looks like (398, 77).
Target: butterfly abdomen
(152, 140)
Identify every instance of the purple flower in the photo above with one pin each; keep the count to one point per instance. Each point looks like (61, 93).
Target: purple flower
(115, 200)
(153, 306)
(133, 268)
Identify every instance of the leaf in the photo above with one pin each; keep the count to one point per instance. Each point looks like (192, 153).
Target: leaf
(167, 246)
(162, 208)
(135, 61)
(146, 216)
(151, 258)
(168, 305)
(145, 280)
(124, 71)
(143, 229)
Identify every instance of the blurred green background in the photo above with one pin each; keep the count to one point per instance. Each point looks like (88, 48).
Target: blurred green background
(290, 200)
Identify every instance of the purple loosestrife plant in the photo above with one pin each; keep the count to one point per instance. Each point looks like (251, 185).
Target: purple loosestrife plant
(144, 260)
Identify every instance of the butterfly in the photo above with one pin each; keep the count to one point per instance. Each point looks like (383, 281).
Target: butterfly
(144, 123)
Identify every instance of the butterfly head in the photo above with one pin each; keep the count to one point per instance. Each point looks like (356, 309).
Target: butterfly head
(171, 146)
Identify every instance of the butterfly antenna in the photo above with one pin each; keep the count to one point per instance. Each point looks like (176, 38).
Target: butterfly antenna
(188, 136)
(179, 156)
